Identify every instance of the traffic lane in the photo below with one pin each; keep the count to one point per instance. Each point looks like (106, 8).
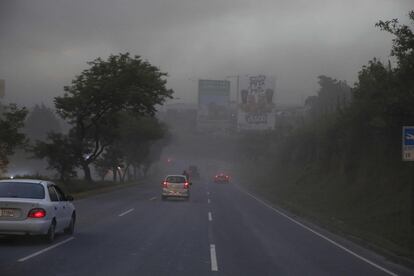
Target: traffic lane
(157, 238)
(92, 210)
(263, 242)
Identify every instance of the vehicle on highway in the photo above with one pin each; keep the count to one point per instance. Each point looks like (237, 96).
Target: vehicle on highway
(194, 173)
(221, 178)
(176, 186)
(35, 207)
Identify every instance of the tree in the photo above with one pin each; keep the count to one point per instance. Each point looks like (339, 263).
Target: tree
(111, 160)
(40, 121)
(11, 121)
(92, 102)
(333, 96)
(58, 151)
(400, 106)
(140, 142)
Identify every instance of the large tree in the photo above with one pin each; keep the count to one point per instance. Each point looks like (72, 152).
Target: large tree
(400, 105)
(11, 121)
(92, 102)
(141, 139)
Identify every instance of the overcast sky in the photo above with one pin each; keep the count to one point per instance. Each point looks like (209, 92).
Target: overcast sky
(45, 43)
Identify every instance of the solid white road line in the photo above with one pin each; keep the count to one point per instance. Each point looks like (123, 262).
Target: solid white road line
(320, 235)
(213, 257)
(210, 217)
(45, 250)
(126, 212)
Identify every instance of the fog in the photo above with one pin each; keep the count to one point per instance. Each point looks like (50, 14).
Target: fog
(45, 43)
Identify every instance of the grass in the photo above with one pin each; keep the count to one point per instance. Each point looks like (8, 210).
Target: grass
(80, 188)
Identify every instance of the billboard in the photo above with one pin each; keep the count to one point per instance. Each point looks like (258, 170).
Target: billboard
(2, 88)
(255, 102)
(213, 100)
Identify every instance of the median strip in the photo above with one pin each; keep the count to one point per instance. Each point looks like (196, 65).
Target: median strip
(126, 212)
(45, 250)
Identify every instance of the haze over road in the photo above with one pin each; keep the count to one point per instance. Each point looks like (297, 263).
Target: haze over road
(222, 230)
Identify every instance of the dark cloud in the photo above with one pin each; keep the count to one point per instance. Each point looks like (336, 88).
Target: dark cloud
(44, 43)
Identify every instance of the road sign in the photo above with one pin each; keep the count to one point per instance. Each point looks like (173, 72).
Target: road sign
(408, 143)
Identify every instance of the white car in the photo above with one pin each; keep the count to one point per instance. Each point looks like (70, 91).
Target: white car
(35, 207)
(176, 186)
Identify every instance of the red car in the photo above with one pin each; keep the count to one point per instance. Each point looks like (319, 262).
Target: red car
(222, 178)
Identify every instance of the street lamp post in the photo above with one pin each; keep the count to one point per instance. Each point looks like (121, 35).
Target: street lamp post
(237, 94)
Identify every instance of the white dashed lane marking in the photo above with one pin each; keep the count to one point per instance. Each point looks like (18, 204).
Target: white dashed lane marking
(45, 250)
(126, 212)
(213, 257)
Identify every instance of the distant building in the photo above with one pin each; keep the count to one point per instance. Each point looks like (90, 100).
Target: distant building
(2, 88)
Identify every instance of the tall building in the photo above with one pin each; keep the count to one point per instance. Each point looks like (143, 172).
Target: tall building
(2, 88)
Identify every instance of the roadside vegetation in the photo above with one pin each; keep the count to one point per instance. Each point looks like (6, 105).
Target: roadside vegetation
(343, 167)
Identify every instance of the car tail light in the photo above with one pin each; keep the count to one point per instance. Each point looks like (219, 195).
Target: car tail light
(37, 213)
(165, 184)
(186, 186)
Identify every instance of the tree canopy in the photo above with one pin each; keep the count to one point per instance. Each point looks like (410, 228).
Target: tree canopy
(94, 102)
(11, 121)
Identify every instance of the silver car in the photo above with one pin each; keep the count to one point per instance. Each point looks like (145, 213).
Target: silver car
(176, 186)
(35, 207)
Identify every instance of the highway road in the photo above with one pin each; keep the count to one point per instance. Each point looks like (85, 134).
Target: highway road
(221, 230)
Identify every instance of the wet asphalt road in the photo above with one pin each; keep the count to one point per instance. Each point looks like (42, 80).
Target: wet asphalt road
(221, 230)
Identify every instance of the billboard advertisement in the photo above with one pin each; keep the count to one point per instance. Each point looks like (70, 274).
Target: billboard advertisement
(213, 100)
(255, 99)
(2, 88)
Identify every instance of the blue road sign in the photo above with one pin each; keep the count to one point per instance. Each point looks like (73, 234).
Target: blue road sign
(408, 136)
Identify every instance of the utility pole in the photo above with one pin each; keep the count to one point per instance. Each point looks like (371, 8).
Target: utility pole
(237, 92)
